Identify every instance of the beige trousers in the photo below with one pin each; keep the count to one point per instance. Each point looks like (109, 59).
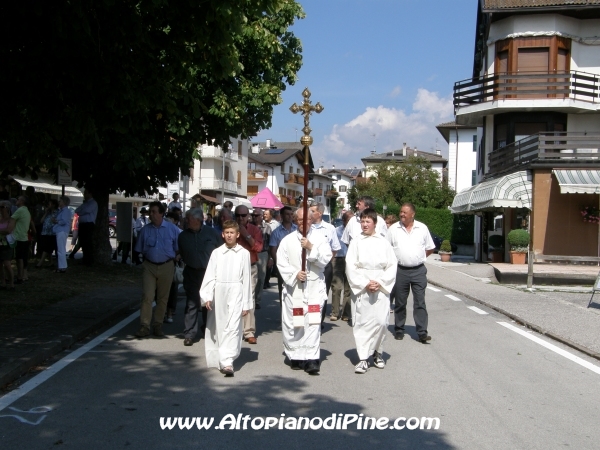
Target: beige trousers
(249, 320)
(155, 279)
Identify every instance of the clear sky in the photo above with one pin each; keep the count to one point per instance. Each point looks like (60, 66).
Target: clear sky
(379, 67)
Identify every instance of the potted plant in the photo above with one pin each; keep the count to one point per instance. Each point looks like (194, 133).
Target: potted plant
(445, 251)
(519, 243)
(496, 241)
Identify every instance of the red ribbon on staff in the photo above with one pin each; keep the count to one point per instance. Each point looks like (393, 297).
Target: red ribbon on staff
(314, 308)
(298, 311)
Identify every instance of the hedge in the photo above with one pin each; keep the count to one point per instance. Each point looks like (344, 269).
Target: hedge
(459, 229)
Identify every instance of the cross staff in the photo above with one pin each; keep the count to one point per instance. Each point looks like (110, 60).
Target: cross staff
(307, 109)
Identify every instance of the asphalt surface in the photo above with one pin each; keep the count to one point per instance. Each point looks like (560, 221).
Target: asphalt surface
(487, 382)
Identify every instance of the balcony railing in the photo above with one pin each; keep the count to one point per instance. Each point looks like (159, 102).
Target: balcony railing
(527, 85)
(332, 193)
(317, 191)
(217, 185)
(547, 148)
(258, 175)
(293, 178)
(212, 152)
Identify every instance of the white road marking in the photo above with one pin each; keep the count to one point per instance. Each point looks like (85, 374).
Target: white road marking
(13, 396)
(554, 348)
(476, 309)
(433, 289)
(452, 297)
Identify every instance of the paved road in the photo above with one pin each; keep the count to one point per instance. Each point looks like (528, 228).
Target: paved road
(490, 387)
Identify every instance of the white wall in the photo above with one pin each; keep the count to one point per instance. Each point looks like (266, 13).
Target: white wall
(461, 163)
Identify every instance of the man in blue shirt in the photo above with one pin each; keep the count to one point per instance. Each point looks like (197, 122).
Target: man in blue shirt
(157, 241)
(87, 222)
(62, 226)
(286, 227)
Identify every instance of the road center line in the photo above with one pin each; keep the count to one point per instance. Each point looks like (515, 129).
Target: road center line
(452, 297)
(433, 289)
(476, 309)
(554, 348)
(13, 396)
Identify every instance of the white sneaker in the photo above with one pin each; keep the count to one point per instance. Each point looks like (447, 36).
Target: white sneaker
(361, 367)
(378, 361)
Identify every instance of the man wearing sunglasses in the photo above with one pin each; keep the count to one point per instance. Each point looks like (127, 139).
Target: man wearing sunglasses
(251, 239)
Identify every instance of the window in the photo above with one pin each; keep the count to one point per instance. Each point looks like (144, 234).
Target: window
(291, 169)
(226, 174)
(473, 177)
(320, 185)
(239, 149)
(298, 170)
(342, 188)
(239, 178)
(251, 166)
(474, 142)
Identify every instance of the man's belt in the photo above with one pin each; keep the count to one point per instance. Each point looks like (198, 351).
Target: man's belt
(160, 263)
(409, 267)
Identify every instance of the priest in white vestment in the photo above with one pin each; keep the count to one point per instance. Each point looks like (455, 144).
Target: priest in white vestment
(304, 294)
(371, 271)
(227, 294)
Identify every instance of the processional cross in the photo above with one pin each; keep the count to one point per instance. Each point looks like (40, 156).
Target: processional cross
(307, 109)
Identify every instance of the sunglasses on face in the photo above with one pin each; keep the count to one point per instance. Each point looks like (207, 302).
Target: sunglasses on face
(241, 215)
(256, 215)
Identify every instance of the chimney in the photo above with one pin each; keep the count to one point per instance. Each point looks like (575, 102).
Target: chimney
(404, 149)
(268, 144)
(320, 171)
(415, 149)
(333, 167)
(255, 148)
(438, 152)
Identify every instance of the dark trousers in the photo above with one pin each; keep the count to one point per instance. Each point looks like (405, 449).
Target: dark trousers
(407, 279)
(172, 303)
(328, 272)
(192, 280)
(86, 237)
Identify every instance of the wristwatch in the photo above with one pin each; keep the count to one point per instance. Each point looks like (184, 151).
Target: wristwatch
(249, 237)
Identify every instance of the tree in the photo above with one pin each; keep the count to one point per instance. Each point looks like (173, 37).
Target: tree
(410, 181)
(128, 90)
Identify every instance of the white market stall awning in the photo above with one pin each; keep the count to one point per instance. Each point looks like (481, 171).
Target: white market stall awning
(46, 186)
(578, 181)
(509, 191)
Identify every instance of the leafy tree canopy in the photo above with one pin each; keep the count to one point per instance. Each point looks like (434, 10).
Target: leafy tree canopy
(410, 181)
(129, 90)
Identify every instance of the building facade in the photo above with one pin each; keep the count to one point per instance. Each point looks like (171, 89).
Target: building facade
(534, 97)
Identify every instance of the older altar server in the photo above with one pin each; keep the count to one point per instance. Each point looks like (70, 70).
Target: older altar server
(371, 271)
(227, 294)
(304, 294)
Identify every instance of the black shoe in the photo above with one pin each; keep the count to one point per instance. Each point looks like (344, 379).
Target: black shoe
(424, 339)
(188, 342)
(257, 306)
(296, 364)
(399, 336)
(311, 367)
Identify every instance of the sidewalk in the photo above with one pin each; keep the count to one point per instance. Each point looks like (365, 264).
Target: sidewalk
(568, 321)
(30, 339)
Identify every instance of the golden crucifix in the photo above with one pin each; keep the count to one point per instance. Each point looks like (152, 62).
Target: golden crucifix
(307, 109)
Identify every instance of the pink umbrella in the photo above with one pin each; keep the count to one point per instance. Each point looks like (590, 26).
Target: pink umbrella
(266, 199)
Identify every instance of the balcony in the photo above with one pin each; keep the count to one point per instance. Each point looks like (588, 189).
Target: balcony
(547, 149)
(258, 175)
(216, 184)
(293, 178)
(212, 152)
(332, 193)
(317, 191)
(568, 92)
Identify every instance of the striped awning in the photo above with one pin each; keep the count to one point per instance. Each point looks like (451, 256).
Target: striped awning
(578, 181)
(509, 191)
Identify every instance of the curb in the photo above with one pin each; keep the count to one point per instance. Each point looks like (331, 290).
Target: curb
(524, 322)
(14, 370)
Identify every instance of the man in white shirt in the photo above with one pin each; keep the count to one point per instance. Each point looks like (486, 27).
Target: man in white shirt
(327, 231)
(412, 245)
(353, 229)
(175, 203)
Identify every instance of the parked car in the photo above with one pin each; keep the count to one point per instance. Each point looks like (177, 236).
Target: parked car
(437, 240)
(112, 223)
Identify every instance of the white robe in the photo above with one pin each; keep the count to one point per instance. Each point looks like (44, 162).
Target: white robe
(302, 343)
(370, 258)
(228, 286)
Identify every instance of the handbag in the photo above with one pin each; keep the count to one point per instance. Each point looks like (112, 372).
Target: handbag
(12, 242)
(178, 274)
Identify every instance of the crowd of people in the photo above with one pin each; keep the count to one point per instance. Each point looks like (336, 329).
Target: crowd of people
(370, 264)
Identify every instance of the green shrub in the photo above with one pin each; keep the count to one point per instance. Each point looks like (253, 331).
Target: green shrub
(446, 247)
(439, 221)
(518, 240)
(496, 241)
